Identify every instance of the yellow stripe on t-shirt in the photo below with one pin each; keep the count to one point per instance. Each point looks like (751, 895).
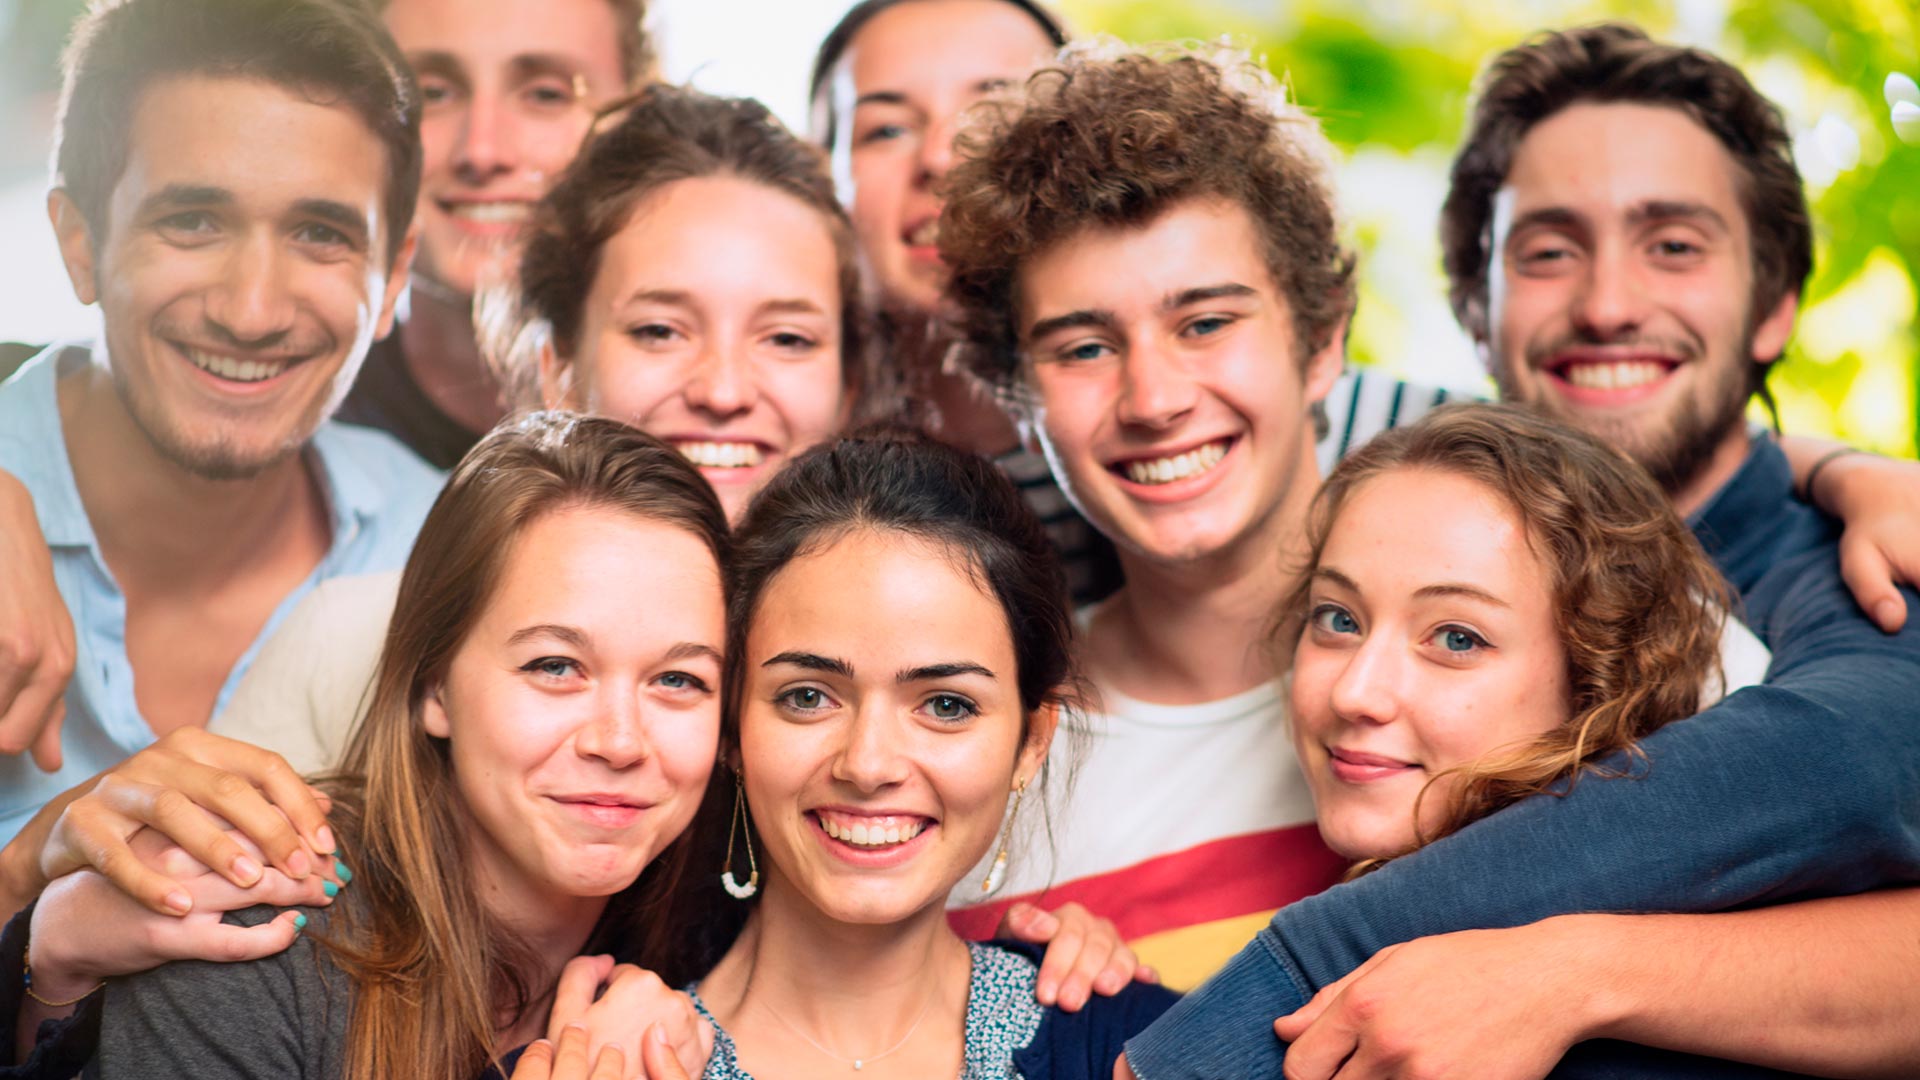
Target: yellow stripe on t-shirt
(1187, 956)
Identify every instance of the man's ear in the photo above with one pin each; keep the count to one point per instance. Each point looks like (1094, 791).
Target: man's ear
(556, 378)
(433, 713)
(1771, 333)
(75, 237)
(1041, 725)
(397, 278)
(1327, 364)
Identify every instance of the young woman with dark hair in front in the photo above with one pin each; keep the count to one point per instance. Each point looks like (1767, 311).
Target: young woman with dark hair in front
(900, 652)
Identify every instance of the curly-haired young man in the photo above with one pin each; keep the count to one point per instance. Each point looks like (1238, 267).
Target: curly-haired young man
(1146, 261)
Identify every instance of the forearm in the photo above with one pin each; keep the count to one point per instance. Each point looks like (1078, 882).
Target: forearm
(1823, 987)
(21, 878)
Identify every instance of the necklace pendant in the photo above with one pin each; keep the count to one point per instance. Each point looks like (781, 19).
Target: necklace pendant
(857, 1063)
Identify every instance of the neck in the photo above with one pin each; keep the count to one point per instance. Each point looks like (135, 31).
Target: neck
(554, 927)
(162, 527)
(851, 989)
(1196, 630)
(1715, 472)
(443, 356)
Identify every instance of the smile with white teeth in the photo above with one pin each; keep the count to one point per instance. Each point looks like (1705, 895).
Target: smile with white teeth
(721, 455)
(234, 369)
(926, 234)
(492, 213)
(1168, 469)
(869, 832)
(1614, 375)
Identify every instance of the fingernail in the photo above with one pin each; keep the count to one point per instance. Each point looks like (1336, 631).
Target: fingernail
(324, 840)
(1046, 991)
(1886, 611)
(298, 865)
(299, 923)
(246, 870)
(331, 889)
(659, 1034)
(340, 871)
(179, 901)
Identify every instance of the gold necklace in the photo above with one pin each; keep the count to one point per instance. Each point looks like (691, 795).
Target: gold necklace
(858, 1062)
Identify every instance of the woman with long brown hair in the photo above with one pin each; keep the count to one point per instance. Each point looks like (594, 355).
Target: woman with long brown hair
(542, 728)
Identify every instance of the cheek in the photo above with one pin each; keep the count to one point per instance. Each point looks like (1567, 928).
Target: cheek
(879, 181)
(612, 382)
(548, 148)
(438, 137)
(808, 396)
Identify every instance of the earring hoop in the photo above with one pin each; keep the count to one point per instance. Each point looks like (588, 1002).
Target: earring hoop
(997, 873)
(740, 821)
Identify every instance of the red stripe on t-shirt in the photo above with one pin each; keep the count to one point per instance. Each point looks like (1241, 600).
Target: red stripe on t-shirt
(1221, 879)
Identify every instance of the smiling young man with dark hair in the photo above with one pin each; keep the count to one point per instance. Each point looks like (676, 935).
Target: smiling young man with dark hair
(234, 185)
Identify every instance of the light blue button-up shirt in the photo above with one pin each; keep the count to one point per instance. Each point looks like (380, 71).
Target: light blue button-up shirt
(377, 493)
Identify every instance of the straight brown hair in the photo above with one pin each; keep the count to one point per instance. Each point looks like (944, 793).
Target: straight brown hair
(436, 976)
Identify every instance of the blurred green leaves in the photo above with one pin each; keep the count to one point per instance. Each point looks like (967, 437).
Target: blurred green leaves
(1391, 82)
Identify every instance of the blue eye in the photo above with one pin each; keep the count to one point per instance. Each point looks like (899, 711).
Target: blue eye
(1457, 640)
(1335, 619)
(1210, 324)
(1091, 350)
(680, 680)
(553, 667)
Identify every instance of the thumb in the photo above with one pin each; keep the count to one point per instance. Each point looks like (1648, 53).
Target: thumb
(1870, 577)
(656, 1053)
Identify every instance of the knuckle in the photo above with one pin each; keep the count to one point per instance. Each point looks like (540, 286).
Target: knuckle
(228, 786)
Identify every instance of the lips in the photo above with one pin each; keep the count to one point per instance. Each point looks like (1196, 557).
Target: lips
(604, 810)
(489, 215)
(236, 368)
(1359, 767)
(721, 453)
(870, 839)
(1610, 378)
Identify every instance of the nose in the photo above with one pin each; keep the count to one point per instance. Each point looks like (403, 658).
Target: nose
(1157, 390)
(617, 731)
(723, 383)
(251, 305)
(936, 150)
(870, 758)
(1611, 301)
(487, 145)
(1368, 690)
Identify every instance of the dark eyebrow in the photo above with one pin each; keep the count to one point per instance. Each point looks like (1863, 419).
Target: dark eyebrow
(333, 213)
(812, 662)
(1676, 210)
(926, 672)
(1459, 588)
(1204, 293)
(438, 62)
(567, 634)
(1551, 216)
(1072, 320)
(185, 195)
(543, 64)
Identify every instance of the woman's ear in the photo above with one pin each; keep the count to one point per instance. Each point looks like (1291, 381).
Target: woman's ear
(1041, 724)
(556, 379)
(433, 713)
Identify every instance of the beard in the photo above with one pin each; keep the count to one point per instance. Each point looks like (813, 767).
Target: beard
(1677, 445)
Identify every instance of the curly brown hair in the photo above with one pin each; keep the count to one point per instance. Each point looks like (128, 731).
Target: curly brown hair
(1638, 605)
(1115, 136)
(1609, 63)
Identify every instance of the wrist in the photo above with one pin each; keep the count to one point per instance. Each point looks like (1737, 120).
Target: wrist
(1828, 481)
(1589, 946)
(55, 973)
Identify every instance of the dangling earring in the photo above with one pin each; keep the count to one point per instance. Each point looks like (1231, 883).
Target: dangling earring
(740, 822)
(998, 871)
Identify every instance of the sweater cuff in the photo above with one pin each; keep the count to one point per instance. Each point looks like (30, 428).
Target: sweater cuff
(62, 1046)
(1225, 1028)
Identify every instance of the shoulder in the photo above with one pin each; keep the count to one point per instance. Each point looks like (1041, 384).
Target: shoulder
(380, 458)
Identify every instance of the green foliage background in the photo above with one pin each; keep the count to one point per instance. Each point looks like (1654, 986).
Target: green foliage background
(1391, 81)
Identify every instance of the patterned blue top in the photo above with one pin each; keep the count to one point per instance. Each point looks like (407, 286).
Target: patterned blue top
(1002, 1018)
